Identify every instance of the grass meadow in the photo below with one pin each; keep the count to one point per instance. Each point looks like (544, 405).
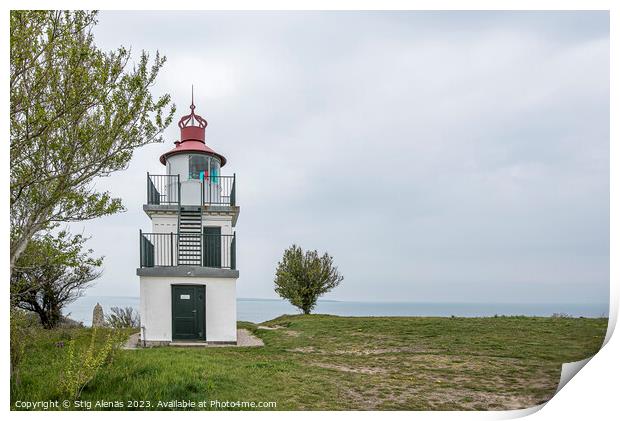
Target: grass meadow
(321, 362)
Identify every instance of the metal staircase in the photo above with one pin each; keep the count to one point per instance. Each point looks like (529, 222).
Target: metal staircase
(190, 235)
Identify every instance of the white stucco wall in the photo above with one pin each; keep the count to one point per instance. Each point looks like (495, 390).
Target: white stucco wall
(223, 221)
(190, 192)
(156, 307)
(166, 223)
(190, 189)
(178, 165)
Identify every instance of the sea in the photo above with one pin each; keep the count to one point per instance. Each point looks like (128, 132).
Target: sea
(258, 310)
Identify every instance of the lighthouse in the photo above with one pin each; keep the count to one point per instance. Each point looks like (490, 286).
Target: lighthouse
(188, 270)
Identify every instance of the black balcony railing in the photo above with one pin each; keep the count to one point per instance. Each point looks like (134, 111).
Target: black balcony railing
(184, 249)
(162, 189)
(219, 190)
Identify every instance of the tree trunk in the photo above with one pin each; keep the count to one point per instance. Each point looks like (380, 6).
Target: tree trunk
(45, 319)
(18, 250)
(22, 242)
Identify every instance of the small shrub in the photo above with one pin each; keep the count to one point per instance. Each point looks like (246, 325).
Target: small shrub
(123, 318)
(82, 366)
(302, 277)
(67, 323)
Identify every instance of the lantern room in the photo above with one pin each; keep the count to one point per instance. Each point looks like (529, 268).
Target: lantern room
(195, 167)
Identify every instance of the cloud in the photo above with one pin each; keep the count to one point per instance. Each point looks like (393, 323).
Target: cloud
(436, 155)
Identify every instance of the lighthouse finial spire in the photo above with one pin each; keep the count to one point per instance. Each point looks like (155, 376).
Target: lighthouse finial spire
(192, 118)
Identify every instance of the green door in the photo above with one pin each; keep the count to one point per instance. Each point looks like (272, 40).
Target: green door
(188, 312)
(212, 253)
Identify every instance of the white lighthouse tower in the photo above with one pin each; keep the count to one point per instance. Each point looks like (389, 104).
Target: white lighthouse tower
(188, 270)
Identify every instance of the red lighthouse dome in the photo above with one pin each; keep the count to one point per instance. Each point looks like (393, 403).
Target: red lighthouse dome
(192, 137)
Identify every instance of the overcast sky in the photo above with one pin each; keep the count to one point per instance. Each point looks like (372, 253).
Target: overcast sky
(438, 156)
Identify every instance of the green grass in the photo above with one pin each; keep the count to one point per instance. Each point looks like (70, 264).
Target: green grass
(337, 363)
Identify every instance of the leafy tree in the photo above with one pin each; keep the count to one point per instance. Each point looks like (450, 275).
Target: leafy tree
(52, 272)
(123, 317)
(76, 113)
(302, 277)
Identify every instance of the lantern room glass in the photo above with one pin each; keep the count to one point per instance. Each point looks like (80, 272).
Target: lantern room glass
(204, 168)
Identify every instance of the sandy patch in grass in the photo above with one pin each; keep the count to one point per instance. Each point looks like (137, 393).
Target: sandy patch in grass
(378, 351)
(278, 327)
(435, 381)
(347, 369)
(304, 350)
(274, 327)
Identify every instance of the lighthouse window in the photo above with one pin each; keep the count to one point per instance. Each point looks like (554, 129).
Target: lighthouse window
(198, 164)
(215, 171)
